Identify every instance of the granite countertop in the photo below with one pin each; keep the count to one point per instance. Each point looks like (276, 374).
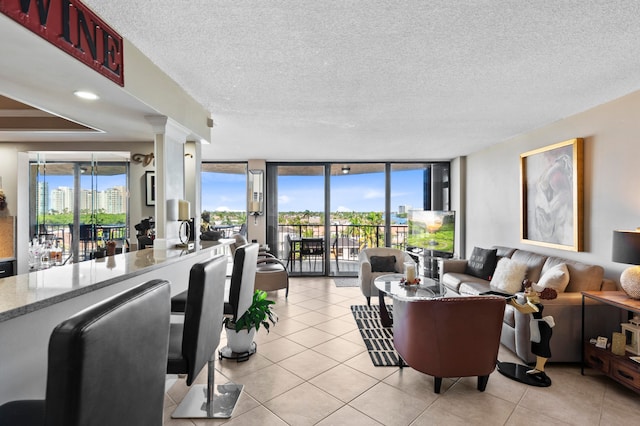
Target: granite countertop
(21, 294)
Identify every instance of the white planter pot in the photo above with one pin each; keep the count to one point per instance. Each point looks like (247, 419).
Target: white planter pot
(240, 342)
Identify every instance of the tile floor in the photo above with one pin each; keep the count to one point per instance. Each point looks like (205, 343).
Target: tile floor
(313, 369)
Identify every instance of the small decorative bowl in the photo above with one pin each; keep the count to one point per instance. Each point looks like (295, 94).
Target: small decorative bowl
(416, 281)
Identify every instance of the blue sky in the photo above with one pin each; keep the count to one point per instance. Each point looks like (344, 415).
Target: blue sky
(103, 182)
(354, 192)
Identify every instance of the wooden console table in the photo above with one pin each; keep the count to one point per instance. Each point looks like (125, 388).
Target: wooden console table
(619, 368)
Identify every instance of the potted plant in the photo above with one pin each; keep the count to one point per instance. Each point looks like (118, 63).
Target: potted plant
(241, 332)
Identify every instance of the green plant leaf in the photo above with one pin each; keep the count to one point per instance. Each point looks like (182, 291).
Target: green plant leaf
(259, 313)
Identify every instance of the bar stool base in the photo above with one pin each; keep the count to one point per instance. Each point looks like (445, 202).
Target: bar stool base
(194, 405)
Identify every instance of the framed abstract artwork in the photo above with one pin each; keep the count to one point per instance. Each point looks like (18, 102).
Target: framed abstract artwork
(551, 192)
(151, 188)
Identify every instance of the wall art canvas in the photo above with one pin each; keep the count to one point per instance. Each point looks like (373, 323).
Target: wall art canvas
(551, 194)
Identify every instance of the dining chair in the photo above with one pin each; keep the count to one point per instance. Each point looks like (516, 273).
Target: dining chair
(311, 248)
(292, 250)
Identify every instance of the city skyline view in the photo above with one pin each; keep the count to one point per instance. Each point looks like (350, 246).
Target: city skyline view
(109, 196)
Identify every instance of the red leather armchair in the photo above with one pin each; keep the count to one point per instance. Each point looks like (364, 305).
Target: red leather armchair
(449, 337)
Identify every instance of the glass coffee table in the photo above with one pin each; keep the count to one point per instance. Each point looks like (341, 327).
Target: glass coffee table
(392, 285)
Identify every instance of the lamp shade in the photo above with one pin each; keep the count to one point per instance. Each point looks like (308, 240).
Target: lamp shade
(626, 247)
(172, 209)
(184, 210)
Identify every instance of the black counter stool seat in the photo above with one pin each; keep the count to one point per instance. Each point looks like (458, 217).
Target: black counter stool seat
(193, 343)
(241, 277)
(241, 289)
(106, 364)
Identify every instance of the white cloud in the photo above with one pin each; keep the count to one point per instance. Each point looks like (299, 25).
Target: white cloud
(373, 193)
(402, 194)
(344, 209)
(283, 199)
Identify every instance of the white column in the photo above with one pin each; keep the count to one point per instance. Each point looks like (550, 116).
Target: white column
(169, 140)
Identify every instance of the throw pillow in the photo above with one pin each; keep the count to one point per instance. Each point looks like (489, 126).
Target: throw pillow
(509, 275)
(482, 263)
(556, 278)
(383, 263)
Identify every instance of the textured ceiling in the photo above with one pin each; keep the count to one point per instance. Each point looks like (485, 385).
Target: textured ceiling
(402, 80)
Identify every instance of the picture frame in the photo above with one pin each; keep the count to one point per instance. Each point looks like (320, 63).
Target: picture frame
(150, 179)
(551, 195)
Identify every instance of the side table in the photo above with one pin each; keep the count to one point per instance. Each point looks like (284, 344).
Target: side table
(620, 368)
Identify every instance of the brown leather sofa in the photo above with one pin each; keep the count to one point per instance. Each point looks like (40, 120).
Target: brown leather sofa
(566, 309)
(449, 337)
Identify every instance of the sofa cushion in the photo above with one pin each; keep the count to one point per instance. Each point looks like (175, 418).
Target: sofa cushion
(473, 288)
(453, 280)
(534, 262)
(383, 263)
(556, 278)
(508, 275)
(509, 316)
(503, 251)
(582, 277)
(482, 263)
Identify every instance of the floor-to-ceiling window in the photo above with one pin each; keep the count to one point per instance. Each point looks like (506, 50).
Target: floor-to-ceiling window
(301, 219)
(357, 206)
(77, 194)
(224, 197)
(367, 203)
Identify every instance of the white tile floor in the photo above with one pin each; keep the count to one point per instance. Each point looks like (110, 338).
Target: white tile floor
(313, 369)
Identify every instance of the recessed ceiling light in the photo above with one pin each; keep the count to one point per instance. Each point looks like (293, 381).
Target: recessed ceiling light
(86, 95)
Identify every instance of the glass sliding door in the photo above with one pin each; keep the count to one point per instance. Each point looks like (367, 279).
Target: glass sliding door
(224, 198)
(409, 191)
(79, 202)
(367, 204)
(300, 212)
(357, 200)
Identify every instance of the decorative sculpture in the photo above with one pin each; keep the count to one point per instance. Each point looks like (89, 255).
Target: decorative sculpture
(540, 337)
(145, 159)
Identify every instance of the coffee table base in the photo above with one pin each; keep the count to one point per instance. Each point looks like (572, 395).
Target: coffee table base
(385, 318)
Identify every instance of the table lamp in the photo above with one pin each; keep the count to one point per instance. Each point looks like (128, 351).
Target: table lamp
(180, 210)
(626, 249)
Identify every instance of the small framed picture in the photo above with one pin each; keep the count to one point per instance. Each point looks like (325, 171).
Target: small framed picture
(151, 188)
(601, 342)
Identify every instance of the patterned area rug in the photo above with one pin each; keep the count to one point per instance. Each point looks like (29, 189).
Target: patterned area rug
(345, 281)
(379, 339)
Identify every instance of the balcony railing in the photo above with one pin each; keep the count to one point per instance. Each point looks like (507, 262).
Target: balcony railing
(60, 236)
(346, 241)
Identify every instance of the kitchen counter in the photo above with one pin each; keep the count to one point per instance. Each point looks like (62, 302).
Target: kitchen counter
(21, 294)
(33, 304)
